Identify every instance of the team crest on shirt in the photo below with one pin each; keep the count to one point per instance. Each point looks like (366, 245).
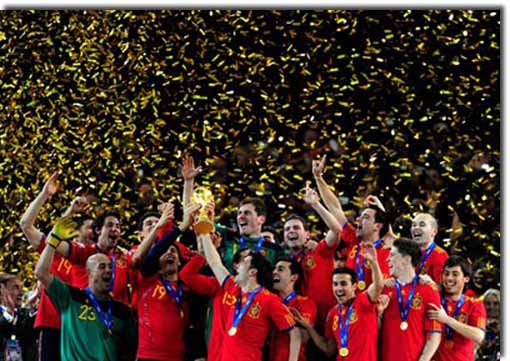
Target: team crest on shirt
(353, 319)
(254, 311)
(310, 263)
(417, 302)
(121, 262)
(462, 317)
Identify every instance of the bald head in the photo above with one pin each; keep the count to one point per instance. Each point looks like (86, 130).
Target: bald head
(94, 260)
(99, 269)
(423, 229)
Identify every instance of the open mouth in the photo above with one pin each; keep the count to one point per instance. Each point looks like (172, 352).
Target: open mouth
(276, 279)
(292, 238)
(417, 234)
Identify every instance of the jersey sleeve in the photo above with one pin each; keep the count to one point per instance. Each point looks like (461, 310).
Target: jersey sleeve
(59, 294)
(434, 298)
(205, 285)
(478, 315)
(324, 250)
(439, 261)
(348, 235)
(365, 303)
(78, 254)
(280, 314)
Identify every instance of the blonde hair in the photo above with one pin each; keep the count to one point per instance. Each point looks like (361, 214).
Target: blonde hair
(492, 291)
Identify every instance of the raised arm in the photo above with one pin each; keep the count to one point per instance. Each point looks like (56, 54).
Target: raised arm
(167, 213)
(330, 199)
(370, 254)
(213, 258)
(63, 230)
(27, 222)
(312, 199)
(188, 172)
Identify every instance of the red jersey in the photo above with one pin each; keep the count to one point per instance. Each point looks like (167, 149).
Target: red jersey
(362, 329)
(318, 267)
(80, 253)
(47, 314)
(280, 341)
(460, 348)
(266, 311)
(208, 285)
(160, 325)
(398, 345)
(434, 264)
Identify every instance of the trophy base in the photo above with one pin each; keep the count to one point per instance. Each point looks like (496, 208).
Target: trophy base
(203, 226)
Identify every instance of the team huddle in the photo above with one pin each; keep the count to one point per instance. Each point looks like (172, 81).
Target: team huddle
(390, 299)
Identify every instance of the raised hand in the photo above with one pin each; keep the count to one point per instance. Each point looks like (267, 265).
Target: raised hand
(189, 213)
(299, 318)
(188, 170)
(77, 205)
(167, 211)
(318, 166)
(368, 251)
(309, 195)
(372, 200)
(64, 229)
(50, 187)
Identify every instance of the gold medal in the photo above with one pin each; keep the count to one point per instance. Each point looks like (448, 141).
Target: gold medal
(232, 331)
(403, 325)
(362, 285)
(344, 351)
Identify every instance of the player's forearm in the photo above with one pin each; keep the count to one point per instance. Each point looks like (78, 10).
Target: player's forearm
(377, 281)
(145, 246)
(330, 200)
(27, 221)
(295, 344)
(213, 258)
(325, 345)
(430, 347)
(187, 192)
(473, 333)
(43, 267)
(328, 218)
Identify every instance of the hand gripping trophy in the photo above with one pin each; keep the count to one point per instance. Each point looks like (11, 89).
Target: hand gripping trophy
(203, 224)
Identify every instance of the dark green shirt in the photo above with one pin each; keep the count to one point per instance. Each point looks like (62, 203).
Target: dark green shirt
(84, 336)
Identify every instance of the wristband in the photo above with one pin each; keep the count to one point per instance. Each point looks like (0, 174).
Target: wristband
(53, 240)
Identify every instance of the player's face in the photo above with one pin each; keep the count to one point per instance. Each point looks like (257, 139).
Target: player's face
(248, 221)
(453, 280)
(235, 266)
(294, 234)
(169, 262)
(102, 273)
(281, 275)
(242, 270)
(86, 232)
(343, 288)
(422, 230)
(396, 261)
(110, 232)
(366, 224)
(14, 289)
(148, 225)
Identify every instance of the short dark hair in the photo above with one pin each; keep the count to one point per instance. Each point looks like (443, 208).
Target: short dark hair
(295, 269)
(237, 255)
(145, 216)
(407, 247)
(455, 260)
(99, 221)
(380, 216)
(80, 219)
(297, 217)
(264, 269)
(258, 203)
(346, 270)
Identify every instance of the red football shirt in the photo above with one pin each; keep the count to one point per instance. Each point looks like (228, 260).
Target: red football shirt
(266, 311)
(280, 341)
(398, 345)
(383, 253)
(362, 329)
(47, 314)
(79, 255)
(318, 267)
(434, 264)
(160, 325)
(472, 313)
(208, 285)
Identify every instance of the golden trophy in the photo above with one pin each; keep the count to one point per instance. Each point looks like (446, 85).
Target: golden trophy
(202, 196)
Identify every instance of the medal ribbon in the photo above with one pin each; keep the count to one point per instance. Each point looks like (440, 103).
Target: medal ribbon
(448, 329)
(289, 298)
(426, 256)
(360, 269)
(176, 296)
(239, 313)
(106, 320)
(259, 243)
(404, 309)
(343, 329)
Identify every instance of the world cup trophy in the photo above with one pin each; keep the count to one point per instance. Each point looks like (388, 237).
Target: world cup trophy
(202, 196)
